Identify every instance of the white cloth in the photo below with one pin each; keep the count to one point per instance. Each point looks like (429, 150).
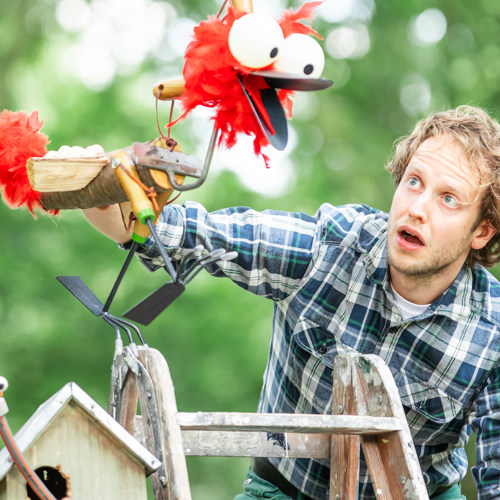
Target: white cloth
(408, 309)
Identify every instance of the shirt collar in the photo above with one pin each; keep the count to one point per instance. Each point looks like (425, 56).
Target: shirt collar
(453, 302)
(376, 265)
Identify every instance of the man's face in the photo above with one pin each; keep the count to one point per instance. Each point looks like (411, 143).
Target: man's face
(433, 222)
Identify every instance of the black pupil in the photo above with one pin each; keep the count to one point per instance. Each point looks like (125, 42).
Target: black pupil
(308, 69)
(274, 52)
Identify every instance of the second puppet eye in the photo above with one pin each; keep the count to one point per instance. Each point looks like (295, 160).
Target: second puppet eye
(255, 40)
(301, 55)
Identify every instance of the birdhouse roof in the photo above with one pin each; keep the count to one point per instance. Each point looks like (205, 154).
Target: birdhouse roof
(48, 411)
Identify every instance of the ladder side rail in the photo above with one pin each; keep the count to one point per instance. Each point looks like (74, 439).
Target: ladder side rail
(141, 374)
(175, 484)
(391, 458)
(345, 448)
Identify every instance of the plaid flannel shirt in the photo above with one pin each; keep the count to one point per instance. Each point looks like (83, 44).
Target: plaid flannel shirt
(328, 278)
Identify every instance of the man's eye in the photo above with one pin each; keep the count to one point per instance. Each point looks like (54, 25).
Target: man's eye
(449, 201)
(413, 182)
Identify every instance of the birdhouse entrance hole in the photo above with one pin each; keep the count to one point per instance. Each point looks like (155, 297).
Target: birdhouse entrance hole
(56, 482)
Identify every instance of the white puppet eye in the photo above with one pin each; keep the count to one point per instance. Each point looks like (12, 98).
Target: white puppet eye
(255, 40)
(301, 55)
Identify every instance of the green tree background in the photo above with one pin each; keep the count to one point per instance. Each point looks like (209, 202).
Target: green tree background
(88, 67)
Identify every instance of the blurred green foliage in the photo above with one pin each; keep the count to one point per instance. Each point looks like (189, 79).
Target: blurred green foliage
(215, 337)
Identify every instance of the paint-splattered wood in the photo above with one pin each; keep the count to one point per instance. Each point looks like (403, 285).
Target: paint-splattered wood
(391, 458)
(177, 481)
(256, 444)
(287, 422)
(345, 448)
(366, 405)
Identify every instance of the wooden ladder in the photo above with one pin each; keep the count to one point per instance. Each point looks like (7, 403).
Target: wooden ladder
(367, 411)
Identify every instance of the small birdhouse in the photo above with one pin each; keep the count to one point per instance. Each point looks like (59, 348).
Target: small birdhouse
(79, 451)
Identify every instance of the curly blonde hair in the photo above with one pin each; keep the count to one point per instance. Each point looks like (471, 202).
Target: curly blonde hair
(479, 136)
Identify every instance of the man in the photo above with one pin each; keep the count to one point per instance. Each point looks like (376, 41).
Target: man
(409, 287)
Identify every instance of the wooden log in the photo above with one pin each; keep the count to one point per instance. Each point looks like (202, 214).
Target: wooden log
(75, 183)
(71, 174)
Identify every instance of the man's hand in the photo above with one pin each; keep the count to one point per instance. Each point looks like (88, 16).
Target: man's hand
(109, 221)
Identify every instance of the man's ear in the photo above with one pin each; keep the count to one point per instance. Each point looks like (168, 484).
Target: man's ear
(482, 234)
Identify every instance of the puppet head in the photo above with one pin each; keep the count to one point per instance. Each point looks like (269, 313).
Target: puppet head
(247, 66)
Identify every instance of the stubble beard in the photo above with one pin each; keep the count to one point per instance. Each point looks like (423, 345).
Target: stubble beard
(439, 260)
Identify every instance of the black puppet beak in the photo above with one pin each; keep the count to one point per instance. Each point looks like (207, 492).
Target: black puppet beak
(260, 87)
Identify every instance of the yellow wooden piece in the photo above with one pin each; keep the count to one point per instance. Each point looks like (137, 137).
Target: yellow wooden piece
(141, 204)
(169, 89)
(161, 178)
(245, 5)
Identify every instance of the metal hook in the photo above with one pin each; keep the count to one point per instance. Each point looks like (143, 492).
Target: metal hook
(206, 166)
(226, 256)
(215, 253)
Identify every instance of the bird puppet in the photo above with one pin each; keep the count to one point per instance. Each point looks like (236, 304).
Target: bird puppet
(247, 66)
(244, 65)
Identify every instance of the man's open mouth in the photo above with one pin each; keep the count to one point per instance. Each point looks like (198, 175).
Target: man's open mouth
(411, 238)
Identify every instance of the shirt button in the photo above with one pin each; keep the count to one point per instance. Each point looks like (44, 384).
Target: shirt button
(322, 349)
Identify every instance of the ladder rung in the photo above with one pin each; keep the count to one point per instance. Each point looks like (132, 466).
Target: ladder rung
(256, 444)
(288, 422)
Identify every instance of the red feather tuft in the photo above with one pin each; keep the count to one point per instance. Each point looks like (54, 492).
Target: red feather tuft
(210, 73)
(20, 139)
(290, 21)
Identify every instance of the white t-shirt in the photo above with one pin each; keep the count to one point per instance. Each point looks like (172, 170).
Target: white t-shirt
(408, 309)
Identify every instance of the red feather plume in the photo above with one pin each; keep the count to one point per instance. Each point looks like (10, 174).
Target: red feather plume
(290, 21)
(20, 139)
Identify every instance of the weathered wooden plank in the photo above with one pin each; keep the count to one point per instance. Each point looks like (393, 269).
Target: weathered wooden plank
(287, 422)
(391, 458)
(255, 444)
(345, 449)
(129, 408)
(177, 482)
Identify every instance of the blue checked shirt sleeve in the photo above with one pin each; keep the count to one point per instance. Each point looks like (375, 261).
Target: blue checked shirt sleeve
(275, 249)
(486, 425)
